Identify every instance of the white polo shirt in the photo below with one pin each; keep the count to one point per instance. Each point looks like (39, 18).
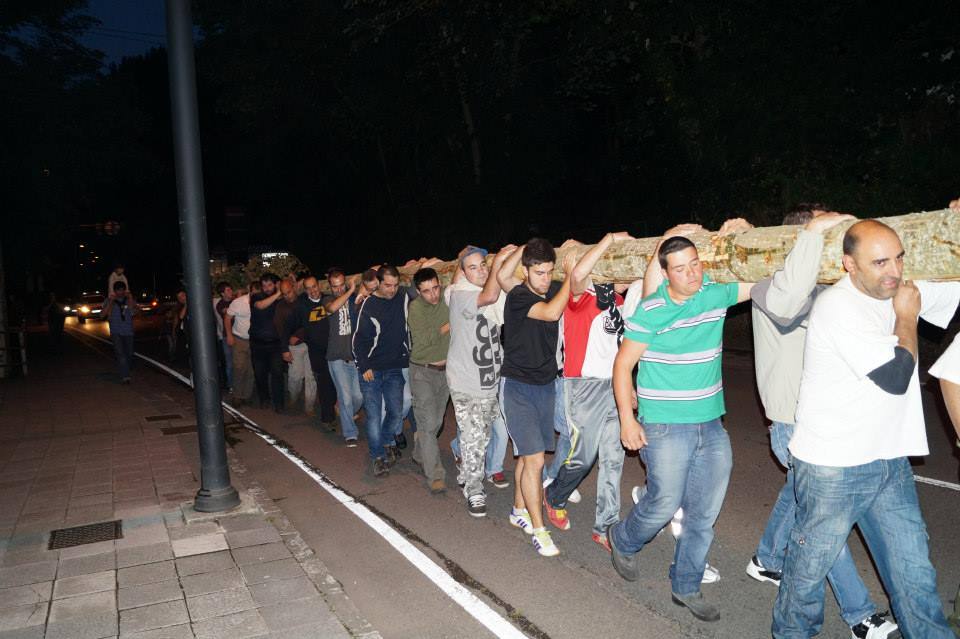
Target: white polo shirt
(239, 310)
(843, 417)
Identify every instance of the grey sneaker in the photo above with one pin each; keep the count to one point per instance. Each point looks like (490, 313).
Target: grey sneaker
(625, 565)
(392, 455)
(477, 505)
(380, 467)
(697, 605)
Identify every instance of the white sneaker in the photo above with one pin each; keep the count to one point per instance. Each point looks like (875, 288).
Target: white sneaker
(710, 574)
(521, 519)
(876, 626)
(544, 544)
(636, 494)
(547, 481)
(575, 497)
(676, 524)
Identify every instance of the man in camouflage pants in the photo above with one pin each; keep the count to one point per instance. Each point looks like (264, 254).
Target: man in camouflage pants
(473, 363)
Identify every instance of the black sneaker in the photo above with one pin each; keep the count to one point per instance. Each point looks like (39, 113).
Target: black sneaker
(380, 467)
(756, 570)
(697, 605)
(401, 441)
(477, 505)
(876, 626)
(625, 565)
(351, 442)
(392, 455)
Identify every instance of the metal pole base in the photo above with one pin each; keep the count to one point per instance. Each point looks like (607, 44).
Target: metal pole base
(216, 501)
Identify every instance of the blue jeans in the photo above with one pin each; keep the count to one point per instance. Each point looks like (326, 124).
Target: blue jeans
(563, 441)
(688, 465)
(347, 383)
(227, 362)
(386, 390)
(880, 498)
(496, 448)
(851, 593)
(407, 411)
(123, 351)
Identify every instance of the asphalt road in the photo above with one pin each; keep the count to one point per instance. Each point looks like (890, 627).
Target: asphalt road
(577, 594)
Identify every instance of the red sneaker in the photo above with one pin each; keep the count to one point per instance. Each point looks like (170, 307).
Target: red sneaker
(601, 540)
(557, 516)
(499, 480)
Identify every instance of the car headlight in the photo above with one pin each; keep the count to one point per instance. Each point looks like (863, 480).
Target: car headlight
(66, 309)
(84, 309)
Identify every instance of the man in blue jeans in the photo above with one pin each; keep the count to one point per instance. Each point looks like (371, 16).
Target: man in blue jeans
(676, 337)
(340, 362)
(859, 418)
(781, 308)
(381, 348)
(119, 310)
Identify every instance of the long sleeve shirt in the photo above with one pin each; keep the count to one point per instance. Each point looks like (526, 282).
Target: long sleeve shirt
(380, 338)
(780, 310)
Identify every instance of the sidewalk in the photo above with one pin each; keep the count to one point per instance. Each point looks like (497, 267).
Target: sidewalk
(76, 448)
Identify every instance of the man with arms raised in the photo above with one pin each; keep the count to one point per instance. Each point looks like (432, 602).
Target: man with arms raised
(527, 392)
(859, 418)
(473, 365)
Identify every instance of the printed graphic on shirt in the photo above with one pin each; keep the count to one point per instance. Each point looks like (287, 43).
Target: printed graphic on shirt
(487, 355)
(343, 321)
(318, 313)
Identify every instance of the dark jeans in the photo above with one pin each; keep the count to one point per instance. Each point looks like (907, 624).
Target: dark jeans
(268, 370)
(385, 391)
(123, 349)
(326, 391)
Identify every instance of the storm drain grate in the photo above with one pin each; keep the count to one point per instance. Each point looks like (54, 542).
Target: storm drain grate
(162, 418)
(89, 534)
(178, 430)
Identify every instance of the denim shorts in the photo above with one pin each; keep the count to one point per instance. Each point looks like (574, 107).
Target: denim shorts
(528, 412)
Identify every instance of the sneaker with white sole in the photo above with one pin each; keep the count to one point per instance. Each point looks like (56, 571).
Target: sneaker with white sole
(521, 519)
(756, 570)
(477, 505)
(575, 497)
(676, 524)
(544, 543)
(876, 626)
(710, 574)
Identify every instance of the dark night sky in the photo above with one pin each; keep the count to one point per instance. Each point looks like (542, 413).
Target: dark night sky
(128, 27)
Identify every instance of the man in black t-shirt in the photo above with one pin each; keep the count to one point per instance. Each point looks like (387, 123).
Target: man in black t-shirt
(527, 392)
(265, 347)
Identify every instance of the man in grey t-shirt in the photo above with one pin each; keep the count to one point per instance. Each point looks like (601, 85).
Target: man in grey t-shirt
(473, 363)
(340, 362)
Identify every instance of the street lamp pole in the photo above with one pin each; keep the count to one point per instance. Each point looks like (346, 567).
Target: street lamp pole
(215, 494)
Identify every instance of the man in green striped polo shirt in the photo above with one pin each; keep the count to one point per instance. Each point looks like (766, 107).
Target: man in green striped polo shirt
(676, 337)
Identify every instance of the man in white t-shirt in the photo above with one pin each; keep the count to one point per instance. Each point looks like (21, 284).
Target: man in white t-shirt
(236, 325)
(859, 418)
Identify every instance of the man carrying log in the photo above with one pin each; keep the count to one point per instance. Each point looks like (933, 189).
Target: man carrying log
(859, 418)
(676, 337)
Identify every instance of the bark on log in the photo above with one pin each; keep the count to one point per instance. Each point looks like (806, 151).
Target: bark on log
(931, 241)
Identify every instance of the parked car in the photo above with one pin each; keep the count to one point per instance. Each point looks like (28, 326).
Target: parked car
(89, 306)
(147, 302)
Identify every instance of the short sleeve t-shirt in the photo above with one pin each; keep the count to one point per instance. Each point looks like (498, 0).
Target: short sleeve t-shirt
(843, 418)
(589, 337)
(530, 351)
(339, 346)
(679, 378)
(948, 365)
(475, 355)
(239, 310)
(261, 320)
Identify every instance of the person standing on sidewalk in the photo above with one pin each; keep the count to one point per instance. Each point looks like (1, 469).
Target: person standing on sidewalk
(527, 386)
(343, 372)
(474, 359)
(381, 348)
(120, 309)
(676, 337)
(236, 326)
(265, 346)
(781, 310)
(859, 419)
(592, 328)
(429, 322)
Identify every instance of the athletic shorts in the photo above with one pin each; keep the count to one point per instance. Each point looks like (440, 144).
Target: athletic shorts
(528, 414)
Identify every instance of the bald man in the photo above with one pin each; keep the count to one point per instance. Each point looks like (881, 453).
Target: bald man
(859, 418)
(299, 372)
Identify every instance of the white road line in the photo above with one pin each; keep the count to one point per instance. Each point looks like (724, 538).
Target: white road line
(456, 591)
(937, 482)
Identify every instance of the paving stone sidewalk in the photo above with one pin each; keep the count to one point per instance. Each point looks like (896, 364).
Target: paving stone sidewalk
(78, 448)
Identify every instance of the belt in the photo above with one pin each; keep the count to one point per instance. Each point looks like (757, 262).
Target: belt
(433, 367)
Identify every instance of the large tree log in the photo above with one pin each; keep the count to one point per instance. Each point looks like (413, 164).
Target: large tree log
(931, 241)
